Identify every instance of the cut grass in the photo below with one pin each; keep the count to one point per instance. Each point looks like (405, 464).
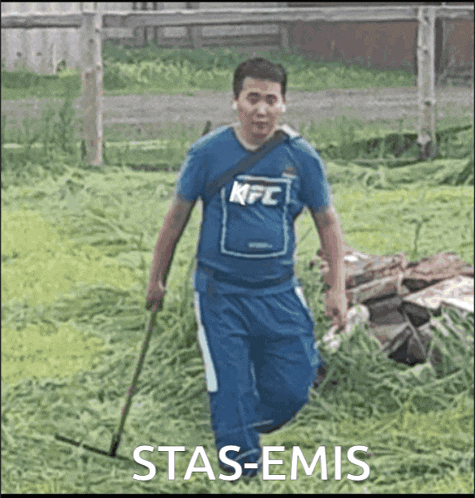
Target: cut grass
(420, 434)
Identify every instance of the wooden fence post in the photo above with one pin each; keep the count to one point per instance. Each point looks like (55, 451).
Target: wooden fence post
(143, 31)
(284, 36)
(284, 31)
(139, 32)
(194, 31)
(158, 33)
(426, 82)
(91, 74)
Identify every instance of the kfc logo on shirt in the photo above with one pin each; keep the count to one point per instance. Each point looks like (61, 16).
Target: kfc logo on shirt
(247, 194)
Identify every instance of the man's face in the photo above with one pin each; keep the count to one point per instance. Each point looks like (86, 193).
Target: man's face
(259, 108)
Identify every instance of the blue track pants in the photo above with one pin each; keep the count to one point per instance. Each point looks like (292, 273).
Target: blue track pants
(260, 360)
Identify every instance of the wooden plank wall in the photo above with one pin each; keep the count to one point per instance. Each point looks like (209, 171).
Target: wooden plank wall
(40, 50)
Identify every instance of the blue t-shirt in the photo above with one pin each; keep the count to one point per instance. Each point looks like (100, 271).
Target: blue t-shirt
(247, 238)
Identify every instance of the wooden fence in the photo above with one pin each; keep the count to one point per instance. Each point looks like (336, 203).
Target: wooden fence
(91, 23)
(386, 43)
(44, 50)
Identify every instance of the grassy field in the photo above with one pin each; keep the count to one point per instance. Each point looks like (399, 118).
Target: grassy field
(76, 250)
(155, 70)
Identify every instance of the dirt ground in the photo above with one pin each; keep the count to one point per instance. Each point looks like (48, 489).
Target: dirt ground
(389, 104)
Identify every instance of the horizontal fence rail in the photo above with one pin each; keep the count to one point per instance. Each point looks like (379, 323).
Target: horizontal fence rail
(142, 145)
(164, 18)
(94, 25)
(41, 20)
(291, 14)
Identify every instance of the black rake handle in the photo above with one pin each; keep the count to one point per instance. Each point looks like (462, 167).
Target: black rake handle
(130, 393)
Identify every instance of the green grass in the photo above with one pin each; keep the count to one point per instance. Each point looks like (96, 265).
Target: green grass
(77, 244)
(355, 146)
(136, 71)
(372, 144)
(85, 323)
(170, 71)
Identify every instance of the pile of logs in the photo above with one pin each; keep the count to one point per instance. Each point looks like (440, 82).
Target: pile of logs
(399, 298)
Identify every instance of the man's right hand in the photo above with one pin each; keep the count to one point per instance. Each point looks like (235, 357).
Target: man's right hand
(155, 295)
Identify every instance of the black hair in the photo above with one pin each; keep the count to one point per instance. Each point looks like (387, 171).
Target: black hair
(259, 68)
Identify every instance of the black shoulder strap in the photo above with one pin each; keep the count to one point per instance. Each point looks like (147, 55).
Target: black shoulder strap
(278, 138)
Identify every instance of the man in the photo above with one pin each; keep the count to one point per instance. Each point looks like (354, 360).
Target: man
(254, 326)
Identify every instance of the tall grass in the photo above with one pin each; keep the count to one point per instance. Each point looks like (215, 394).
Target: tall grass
(156, 70)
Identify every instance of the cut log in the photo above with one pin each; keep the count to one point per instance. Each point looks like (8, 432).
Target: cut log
(463, 304)
(455, 290)
(418, 315)
(407, 347)
(431, 270)
(386, 333)
(404, 291)
(394, 317)
(380, 310)
(401, 298)
(461, 307)
(416, 348)
(384, 287)
(397, 347)
(362, 268)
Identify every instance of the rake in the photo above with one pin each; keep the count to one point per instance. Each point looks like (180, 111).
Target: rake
(116, 437)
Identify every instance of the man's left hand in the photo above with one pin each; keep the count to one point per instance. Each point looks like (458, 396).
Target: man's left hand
(336, 307)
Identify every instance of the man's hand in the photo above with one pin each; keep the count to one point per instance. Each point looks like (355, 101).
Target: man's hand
(337, 307)
(155, 295)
